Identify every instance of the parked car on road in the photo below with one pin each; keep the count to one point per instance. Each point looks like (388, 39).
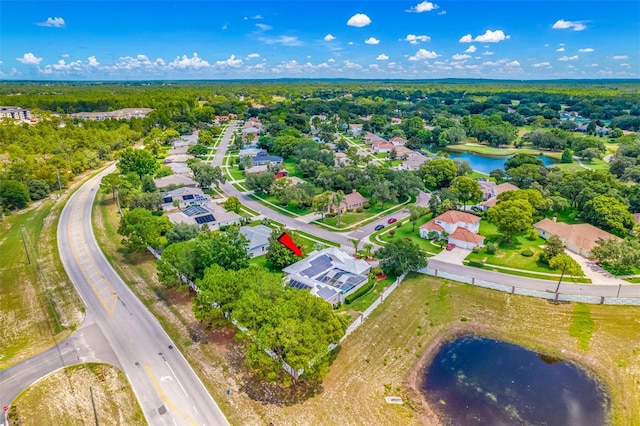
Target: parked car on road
(451, 246)
(392, 220)
(378, 227)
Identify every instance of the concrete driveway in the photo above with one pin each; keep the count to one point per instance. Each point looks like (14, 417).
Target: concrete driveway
(455, 256)
(595, 272)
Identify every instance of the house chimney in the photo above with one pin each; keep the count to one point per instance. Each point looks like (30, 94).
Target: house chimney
(353, 191)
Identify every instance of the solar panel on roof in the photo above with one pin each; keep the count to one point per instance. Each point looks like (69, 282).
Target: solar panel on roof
(168, 199)
(204, 219)
(298, 285)
(187, 197)
(194, 210)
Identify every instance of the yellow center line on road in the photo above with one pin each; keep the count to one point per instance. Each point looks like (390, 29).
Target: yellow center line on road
(77, 245)
(164, 397)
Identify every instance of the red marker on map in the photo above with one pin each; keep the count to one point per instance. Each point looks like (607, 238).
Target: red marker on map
(286, 241)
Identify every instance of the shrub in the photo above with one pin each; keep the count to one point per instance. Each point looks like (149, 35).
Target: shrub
(359, 209)
(224, 227)
(491, 248)
(360, 292)
(330, 215)
(526, 253)
(476, 263)
(463, 319)
(350, 210)
(376, 271)
(366, 205)
(476, 249)
(533, 235)
(392, 232)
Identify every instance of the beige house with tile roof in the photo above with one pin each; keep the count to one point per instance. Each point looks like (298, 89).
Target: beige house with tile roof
(461, 229)
(578, 238)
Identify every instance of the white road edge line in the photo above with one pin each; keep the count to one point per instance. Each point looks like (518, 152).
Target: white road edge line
(177, 380)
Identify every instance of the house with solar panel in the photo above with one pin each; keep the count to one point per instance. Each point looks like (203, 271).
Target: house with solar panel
(330, 274)
(214, 217)
(184, 197)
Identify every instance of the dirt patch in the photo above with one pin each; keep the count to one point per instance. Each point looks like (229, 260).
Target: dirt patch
(69, 396)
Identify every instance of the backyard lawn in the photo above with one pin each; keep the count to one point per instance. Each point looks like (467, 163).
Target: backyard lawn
(404, 231)
(235, 173)
(292, 207)
(347, 219)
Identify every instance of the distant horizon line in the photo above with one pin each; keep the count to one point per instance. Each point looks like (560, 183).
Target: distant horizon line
(451, 79)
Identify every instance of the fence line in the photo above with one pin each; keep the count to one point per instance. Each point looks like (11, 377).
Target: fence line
(596, 300)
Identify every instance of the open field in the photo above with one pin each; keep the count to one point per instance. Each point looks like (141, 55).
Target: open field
(65, 398)
(38, 304)
(381, 357)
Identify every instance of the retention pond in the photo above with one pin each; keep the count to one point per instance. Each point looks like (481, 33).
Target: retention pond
(480, 381)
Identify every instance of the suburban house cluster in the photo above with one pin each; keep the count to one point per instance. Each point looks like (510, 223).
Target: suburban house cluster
(119, 114)
(330, 274)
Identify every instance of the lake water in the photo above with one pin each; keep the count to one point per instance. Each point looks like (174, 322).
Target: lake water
(486, 164)
(479, 381)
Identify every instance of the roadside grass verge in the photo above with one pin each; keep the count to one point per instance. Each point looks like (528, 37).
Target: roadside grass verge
(404, 231)
(68, 396)
(291, 209)
(581, 327)
(38, 303)
(524, 273)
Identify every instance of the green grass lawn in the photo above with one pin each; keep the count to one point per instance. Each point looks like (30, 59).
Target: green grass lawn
(509, 254)
(261, 261)
(363, 302)
(292, 207)
(290, 165)
(235, 173)
(570, 216)
(347, 219)
(404, 231)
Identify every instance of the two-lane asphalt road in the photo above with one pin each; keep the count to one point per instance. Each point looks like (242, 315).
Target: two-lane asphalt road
(168, 390)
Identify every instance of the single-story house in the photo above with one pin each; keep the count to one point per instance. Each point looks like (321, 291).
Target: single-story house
(371, 138)
(413, 161)
(579, 238)
(258, 237)
(185, 197)
(487, 187)
(177, 158)
(256, 169)
(330, 274)
(351, 201)
(494, 192)
(355, 129)
(339, 159)
(180, 168)
(396, 120)
(398, 141)
(175, 181)
(251, 152)
(282, 173)
(262, 159)
(461, 229)
(214, 217)
(384, 146)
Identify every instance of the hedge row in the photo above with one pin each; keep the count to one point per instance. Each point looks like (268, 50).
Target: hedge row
(360, 292)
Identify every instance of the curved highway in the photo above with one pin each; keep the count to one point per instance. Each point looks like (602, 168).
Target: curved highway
(168, 390)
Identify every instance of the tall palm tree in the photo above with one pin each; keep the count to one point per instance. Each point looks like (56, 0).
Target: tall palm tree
(337, 199)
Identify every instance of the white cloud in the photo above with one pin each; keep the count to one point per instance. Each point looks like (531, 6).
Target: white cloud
(253, 55)
(585, 50)
(513, 64)
(487, 53)
(194, 62)
(350, 43)
(284, 40)
(232, 62)
(561, 24)
(93, 62)
(257, 17)
(459, 57)
(425, 6)
(29, 59)
(225, 26)
(264, 27)
(625, 65)
(52, 22)
(568, 58)
(415, 39)
(331, 60)
(65, 55)
(492, 37)
(372, 40)
(621, 57)
(423, 54)
(140, 61)
(560, 49)
(442, 12)
(382, 57)
(329, 37)
(541, 64)
(466, 39)
(359, 20)
(352, 65)
(470, 49)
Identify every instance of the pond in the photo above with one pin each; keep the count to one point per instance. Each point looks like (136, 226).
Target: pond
(480, 381)
(485, 164)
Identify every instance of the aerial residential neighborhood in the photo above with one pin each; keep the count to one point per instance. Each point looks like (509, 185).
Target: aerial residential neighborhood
(282, 213)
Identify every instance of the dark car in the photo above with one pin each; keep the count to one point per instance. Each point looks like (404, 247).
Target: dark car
(378, 227)
(392, 220)
(451, 246)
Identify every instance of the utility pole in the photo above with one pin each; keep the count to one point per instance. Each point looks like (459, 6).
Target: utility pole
(24, 243)
(95, 413)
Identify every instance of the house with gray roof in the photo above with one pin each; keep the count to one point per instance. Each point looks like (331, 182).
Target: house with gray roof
(258, 237)
(175, 181)
(184, 197)
(214, 217)
(330, 274)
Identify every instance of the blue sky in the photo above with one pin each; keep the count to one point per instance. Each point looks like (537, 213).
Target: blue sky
(146, 40)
